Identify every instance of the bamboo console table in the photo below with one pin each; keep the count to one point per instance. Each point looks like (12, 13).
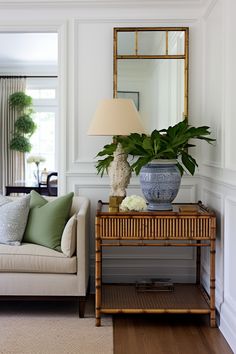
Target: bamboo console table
(192, 224)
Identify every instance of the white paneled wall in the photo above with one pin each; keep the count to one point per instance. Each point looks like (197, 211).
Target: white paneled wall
(218, 174)
(221, 197)
(214, 84)
(93, 48)
(228, 323)
(215, 201)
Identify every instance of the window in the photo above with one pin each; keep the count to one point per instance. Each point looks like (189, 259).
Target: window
(42, 93)
(45, 104)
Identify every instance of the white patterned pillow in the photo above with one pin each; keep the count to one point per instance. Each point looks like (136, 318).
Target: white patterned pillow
(4, 200)
(13, 219)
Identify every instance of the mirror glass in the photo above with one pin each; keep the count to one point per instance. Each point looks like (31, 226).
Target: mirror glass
(151, 43)
(151, 67)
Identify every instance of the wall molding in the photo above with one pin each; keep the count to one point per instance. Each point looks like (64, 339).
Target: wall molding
(218, 290)
(230, 200)
(182, 255)
(209, 8)
(32, 26)
(217, 200)
(75, 123)
(228, 324)
(229, 254)
(83, 184)
(215, 194)
(212, 164)
(134, 180)
(141, 21)
(219, 130)
(195, 4)
(213, 180)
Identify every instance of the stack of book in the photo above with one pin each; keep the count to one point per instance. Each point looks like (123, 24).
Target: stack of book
(157, 284)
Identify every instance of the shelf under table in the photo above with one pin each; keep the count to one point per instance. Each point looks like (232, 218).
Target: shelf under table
(122, 298)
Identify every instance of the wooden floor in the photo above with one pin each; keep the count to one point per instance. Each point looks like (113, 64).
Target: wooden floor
(167, 334)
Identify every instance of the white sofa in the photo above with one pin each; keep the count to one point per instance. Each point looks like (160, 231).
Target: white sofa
(35, 271)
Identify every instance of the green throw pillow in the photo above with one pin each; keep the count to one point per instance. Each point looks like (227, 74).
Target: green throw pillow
(47, 220)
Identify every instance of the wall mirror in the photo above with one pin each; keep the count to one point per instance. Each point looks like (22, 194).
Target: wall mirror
(151, 67)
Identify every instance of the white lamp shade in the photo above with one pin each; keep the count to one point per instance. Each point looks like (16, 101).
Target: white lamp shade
(116, 116)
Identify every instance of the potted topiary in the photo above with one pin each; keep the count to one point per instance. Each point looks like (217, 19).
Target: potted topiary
(24, 126)
(161, 159)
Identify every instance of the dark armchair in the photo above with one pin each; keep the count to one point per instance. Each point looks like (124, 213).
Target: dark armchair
(52, 183)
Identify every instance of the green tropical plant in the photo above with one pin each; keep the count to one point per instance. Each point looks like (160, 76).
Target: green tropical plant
(171, 143)
(24, 126)
(108, 151)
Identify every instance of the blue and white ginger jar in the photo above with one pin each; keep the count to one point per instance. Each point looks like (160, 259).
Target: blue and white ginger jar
(160, 182)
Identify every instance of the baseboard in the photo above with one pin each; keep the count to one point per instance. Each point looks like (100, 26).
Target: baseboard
(228, 325)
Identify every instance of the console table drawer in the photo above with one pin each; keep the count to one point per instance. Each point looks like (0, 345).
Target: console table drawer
(156, 228)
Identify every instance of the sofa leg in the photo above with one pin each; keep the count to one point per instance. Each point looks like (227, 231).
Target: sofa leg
(82, 302)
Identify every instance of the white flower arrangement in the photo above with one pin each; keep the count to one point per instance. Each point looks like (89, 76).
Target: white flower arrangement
(36, 159)
(133, 202)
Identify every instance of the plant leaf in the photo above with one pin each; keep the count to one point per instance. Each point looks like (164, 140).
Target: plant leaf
(189, 162)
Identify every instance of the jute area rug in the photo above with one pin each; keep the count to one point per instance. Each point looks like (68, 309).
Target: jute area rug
(52, 328)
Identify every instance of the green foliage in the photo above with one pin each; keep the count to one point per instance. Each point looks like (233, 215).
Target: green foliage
(20, 100)
(170, 143)
(20, 143)
(25, 125)
(103, 164)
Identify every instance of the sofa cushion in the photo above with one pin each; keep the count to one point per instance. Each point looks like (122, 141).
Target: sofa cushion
(47, 220)
(34, 259)
(4, 200)
(68, 239)
(13, 219)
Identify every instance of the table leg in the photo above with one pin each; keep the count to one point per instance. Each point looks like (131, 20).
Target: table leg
(198, 267)
(212, 284)
(98, 274)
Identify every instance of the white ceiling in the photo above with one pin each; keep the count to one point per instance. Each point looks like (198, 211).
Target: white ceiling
(28, 48)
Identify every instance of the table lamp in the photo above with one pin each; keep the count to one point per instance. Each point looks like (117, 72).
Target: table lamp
(112, 117)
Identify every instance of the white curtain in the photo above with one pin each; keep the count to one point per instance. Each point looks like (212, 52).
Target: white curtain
(12, 163)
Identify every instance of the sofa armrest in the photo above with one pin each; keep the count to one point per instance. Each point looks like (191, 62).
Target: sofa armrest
(82, 244)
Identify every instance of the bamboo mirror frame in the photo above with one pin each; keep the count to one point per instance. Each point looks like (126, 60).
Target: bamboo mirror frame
(150, 65)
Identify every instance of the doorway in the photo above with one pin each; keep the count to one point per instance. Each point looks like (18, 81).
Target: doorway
(34, 56)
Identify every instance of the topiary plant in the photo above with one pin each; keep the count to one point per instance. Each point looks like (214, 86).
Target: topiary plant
(24, 125)
(20, 143)
(20, 100)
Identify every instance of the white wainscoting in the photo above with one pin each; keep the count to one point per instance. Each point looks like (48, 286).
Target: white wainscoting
(218, 182)
(221, 197)
(214, 200)
(228, 310)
